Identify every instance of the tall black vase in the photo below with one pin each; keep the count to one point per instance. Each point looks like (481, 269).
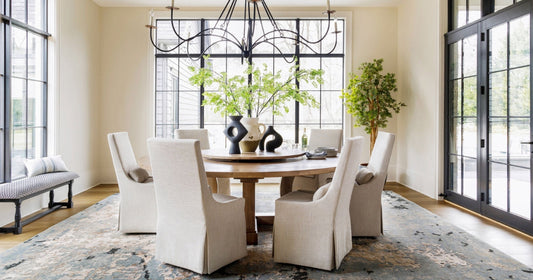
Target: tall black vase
(232, 137)
(272, 144)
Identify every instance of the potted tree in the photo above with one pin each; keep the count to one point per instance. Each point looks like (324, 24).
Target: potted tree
(237, 95)
(368, 98)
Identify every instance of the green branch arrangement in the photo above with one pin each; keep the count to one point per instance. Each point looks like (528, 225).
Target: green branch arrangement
(237, 96)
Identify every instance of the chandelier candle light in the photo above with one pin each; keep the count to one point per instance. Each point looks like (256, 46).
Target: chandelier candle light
(259, 27)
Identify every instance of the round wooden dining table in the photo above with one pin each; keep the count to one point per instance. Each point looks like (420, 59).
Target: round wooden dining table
(250, 171)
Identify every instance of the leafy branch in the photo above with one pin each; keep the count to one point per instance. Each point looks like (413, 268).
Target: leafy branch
(267, 90)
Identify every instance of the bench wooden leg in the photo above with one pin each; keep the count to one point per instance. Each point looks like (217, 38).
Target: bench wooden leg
(69, 201)
(18, 225)
(51, 201)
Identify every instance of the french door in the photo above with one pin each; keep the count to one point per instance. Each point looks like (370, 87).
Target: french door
(489, 117)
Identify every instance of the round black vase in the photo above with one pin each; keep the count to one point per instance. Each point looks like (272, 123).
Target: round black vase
(232, 137)
(272, 144)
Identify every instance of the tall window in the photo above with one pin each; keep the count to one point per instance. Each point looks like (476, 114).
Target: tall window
(489, 121)
(178, 102)
(23, 84)
(464, 12)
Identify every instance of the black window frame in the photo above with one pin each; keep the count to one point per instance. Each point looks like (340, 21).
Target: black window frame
(274, 55)
(7, 24)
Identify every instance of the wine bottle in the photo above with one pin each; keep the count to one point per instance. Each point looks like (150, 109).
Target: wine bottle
(304, 140)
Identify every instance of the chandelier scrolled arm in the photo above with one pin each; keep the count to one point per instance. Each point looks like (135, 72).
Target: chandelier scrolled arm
(252, 15)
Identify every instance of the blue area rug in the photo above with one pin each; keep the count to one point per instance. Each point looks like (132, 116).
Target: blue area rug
(416, 245)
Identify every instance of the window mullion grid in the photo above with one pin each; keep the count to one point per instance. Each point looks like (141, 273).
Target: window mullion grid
(296, 103)
(462, 114)
(25, 95)
(508, 72)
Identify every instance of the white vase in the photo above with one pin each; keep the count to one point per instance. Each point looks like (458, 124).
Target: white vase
(255, 132)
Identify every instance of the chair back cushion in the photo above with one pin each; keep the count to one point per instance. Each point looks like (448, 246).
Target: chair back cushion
(180, 191)
(325, 138)
(381, 154)
(341, 188)
(119, 142)
(364, 175)
(201, 134)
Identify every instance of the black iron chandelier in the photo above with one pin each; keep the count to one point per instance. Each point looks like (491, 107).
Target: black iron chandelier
(259, 28)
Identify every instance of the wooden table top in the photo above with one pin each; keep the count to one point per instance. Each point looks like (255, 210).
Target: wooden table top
(257, 156)
(282, 168)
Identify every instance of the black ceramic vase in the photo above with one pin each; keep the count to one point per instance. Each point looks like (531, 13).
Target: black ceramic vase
(233, 137)
(272, 144)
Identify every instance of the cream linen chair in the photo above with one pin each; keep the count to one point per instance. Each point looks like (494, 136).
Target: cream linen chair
(318, 138)
(314, 230)
(201, 134)
(137, 210)
(196, 229)
(365, 206)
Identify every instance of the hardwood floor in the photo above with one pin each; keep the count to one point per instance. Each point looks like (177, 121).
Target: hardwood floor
(507, 240)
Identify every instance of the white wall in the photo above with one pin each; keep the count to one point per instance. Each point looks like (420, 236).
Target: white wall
(420, 133)
(74, 86)
(375, 35)
(127, 92)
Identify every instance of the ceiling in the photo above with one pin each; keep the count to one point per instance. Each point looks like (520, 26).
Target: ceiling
(221, 3)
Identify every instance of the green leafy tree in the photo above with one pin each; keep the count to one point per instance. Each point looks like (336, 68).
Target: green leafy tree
(236, 95)
(368, 98)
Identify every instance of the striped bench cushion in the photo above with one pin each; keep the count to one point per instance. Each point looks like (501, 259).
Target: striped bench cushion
(27, 186)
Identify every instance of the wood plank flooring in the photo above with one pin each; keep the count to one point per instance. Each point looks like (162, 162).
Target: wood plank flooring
(510, 241)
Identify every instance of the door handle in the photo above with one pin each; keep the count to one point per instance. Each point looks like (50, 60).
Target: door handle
(526, 143)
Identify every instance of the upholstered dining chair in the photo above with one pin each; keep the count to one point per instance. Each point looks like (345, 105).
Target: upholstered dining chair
(365, 206)
(196, 229)
(314, 229)
(137, 210)
(202, 134)
(318, 138)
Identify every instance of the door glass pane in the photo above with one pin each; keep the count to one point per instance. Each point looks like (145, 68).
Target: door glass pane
(520, 192)
(470, 97)
(498, 140)
(498, 94)
(519, 41)
(470, 178)
(455, 174)
(498, 48)
(519, 92)
(519, 154)
(455, 59)
(470, 56)
(498, 185)
(456, 136)
(470, 137)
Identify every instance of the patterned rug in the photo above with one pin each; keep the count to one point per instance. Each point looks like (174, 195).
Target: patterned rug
(416, 245)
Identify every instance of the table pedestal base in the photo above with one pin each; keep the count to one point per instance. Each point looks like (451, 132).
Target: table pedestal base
(248, 193)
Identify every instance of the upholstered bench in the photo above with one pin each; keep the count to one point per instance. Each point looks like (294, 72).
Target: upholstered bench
(20, 190)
